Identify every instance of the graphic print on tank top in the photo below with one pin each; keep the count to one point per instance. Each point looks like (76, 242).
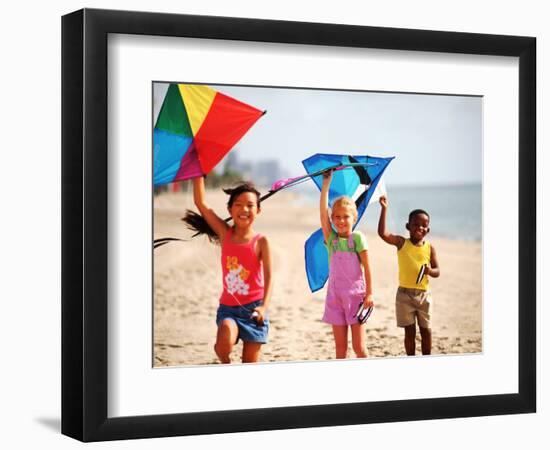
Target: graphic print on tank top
(235, 280)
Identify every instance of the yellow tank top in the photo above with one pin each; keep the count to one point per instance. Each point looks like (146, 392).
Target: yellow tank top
(410, 259)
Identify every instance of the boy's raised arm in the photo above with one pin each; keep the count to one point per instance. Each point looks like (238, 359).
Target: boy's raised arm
(212, 219)
(386, 236)
(323, 206)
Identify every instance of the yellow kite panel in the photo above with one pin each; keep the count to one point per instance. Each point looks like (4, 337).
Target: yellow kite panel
(197, 100)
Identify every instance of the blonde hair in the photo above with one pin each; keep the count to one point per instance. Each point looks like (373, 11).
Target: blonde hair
(346, 203)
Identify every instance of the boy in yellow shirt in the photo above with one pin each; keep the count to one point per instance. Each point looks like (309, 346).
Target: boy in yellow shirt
(417, 261)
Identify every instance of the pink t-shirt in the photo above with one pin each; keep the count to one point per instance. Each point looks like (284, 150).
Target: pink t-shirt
(243, 275)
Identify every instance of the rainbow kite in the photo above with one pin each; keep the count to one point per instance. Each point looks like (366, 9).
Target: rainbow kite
(196, 127)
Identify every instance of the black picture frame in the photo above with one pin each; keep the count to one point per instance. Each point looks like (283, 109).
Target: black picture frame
(84, 224)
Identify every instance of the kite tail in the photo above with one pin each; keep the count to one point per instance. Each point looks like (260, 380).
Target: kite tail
(195, 222)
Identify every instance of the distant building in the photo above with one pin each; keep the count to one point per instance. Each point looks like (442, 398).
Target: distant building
(230, 163)
(267, 171)
(262, 173)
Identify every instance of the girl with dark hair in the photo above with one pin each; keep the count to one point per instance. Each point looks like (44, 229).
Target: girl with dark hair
(246, 269)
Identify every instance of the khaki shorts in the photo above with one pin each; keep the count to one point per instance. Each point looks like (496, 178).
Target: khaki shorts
(412, 305)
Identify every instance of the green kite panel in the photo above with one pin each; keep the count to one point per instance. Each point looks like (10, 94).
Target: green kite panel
(172, 116)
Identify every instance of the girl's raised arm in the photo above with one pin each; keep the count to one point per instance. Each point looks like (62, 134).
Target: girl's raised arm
(212, 219)
(323, 205)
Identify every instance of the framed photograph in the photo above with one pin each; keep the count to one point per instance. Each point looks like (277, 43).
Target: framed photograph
(382, 141)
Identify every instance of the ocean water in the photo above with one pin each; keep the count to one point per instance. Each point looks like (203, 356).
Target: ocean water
(455, 211)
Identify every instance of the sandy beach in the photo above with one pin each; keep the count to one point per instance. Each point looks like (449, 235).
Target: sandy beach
(187, 285)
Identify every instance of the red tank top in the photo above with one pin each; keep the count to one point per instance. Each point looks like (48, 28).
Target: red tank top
(243, 275)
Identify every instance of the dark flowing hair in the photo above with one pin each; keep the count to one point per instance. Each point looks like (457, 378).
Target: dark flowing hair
(195, 222)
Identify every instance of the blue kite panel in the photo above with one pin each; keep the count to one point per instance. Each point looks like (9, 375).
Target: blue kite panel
(168, 151)
(316, 261)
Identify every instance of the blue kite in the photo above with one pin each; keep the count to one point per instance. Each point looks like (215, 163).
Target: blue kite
(354, 176)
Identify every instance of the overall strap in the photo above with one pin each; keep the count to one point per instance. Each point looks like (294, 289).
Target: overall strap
(351, 243)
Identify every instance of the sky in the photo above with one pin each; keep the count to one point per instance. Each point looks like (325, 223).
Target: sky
(436, 139)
